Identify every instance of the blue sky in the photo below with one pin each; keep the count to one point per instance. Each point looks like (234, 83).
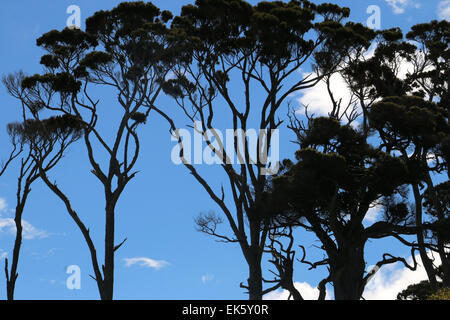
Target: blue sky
(157, 210)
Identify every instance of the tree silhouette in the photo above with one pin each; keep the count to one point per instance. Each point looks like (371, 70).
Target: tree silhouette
(407, 120)
(338, 177)
(132, 60)
(43, 143)
(256, 46)
(370, 77)
(419, 291)
(431, 78)
(412, 126)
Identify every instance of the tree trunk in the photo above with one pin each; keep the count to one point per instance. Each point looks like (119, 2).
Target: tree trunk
(253, 257)
(12, 276)
(11, 279)
(348, 273)
(108, 268)
(294, 292)
(255, 287)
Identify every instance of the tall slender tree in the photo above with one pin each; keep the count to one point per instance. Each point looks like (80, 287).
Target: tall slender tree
(131, 60)
(48, 138)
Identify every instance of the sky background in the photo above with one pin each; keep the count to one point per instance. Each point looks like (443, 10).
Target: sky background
(164, 257)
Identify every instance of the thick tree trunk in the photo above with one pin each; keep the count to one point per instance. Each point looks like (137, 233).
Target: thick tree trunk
(348, 273)
(253, 257)
(255, 280)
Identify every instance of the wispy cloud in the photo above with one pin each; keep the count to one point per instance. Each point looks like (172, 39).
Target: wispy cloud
(3, 205)
(146, 262)
(399, 6)
(3, 254)
(8, 225)
(29, 231)
(444, 10)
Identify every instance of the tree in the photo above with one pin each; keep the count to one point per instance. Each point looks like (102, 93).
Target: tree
(412, 126)
(338, 177)
(283, 258)
(260, 47)
(132, 61)
(371, 77)
(44, 139)
(437, 202)
(17, 149)
(408, 122)
(430, 78)
(431, 63)
(441, 294)
(424, 290)
(418, 291)
(366, 76)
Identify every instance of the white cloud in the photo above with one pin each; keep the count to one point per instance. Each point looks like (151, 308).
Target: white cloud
(3, 254)
(385, 284)
(207, 277)
(394, 278)
(373, 213)
(317, 98)
(29, 232)
(318, 101)
(399, 6)
(444, 10)
(3, 205)
(305, 289)
(146, 262)
(8, 225)
(405, 68)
